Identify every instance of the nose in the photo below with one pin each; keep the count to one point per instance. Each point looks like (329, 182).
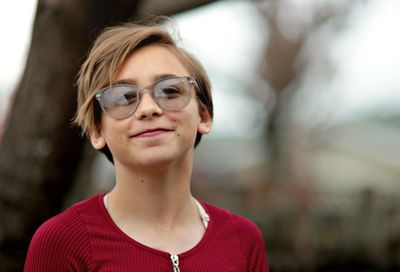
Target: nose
(147, 107)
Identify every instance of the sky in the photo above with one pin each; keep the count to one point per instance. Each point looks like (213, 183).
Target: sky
(16, 19)
(368, 79)
(371, 77)
(365, 57)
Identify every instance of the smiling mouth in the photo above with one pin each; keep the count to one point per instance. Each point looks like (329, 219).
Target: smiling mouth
(151, 132)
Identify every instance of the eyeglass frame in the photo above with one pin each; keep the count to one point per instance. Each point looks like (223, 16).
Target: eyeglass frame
(190, 80)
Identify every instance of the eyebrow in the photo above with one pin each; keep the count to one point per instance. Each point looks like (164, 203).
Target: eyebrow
(132, 81)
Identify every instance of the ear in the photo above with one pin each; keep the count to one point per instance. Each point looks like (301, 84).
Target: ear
(205, 123)
(97, 139)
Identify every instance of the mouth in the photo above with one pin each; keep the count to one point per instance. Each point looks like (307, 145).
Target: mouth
(151, 132)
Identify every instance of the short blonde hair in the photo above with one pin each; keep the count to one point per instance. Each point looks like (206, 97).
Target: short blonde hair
(108, 53)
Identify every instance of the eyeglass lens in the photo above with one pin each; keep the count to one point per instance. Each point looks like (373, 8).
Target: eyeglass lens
(121, 100)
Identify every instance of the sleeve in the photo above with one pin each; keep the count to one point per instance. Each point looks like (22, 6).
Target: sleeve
(60, 244)
(252, 245)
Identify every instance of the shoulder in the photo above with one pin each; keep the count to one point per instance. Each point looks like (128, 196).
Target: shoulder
(249, 237)
(244, 227)
(63, 239)
(65, 224)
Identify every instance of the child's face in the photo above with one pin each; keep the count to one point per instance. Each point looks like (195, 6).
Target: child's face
(152, 136)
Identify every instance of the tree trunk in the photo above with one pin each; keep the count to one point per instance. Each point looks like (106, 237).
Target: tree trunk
(40, 151)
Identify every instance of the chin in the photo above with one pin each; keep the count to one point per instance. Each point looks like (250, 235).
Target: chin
(152, 156)
(156, 162)
(164, 159)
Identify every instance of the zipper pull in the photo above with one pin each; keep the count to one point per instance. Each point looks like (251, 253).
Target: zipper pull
(175, 262)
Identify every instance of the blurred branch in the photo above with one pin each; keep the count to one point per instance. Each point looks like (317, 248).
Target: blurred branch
(290, 24)
(161, 7)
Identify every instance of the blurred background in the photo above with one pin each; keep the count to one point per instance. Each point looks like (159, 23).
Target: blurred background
(305, 137)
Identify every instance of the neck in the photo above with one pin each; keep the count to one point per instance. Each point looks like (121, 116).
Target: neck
(154, 196)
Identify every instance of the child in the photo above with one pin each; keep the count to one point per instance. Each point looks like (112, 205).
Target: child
(145, 103)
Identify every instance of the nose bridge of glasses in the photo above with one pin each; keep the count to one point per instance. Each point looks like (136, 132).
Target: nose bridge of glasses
(149, 90)
(146, 95)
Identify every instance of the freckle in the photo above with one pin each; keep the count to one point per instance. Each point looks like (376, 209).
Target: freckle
(141, 180)
(178, 134)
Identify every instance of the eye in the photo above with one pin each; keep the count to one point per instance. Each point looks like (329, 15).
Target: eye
(125, 99)
(171, 91)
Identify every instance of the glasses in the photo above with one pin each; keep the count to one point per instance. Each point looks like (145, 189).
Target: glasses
(121, 100)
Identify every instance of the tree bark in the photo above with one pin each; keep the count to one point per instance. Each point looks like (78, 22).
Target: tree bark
(40, 151)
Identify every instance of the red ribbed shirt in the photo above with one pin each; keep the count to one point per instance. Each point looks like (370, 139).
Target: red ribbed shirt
(84, 238)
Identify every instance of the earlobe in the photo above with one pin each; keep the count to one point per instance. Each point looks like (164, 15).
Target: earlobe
(205, 122)
(97, 139)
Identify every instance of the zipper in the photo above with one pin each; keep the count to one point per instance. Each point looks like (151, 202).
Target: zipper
(175, 262)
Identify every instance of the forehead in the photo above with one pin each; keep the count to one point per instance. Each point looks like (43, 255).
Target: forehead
(150, 62)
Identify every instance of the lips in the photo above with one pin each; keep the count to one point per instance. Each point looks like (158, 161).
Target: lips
(151, 132)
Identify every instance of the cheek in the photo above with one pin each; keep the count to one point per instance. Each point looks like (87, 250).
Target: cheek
(186, 119)
(120, 139)
(114, 140)
(114, 133)
(189, 125)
